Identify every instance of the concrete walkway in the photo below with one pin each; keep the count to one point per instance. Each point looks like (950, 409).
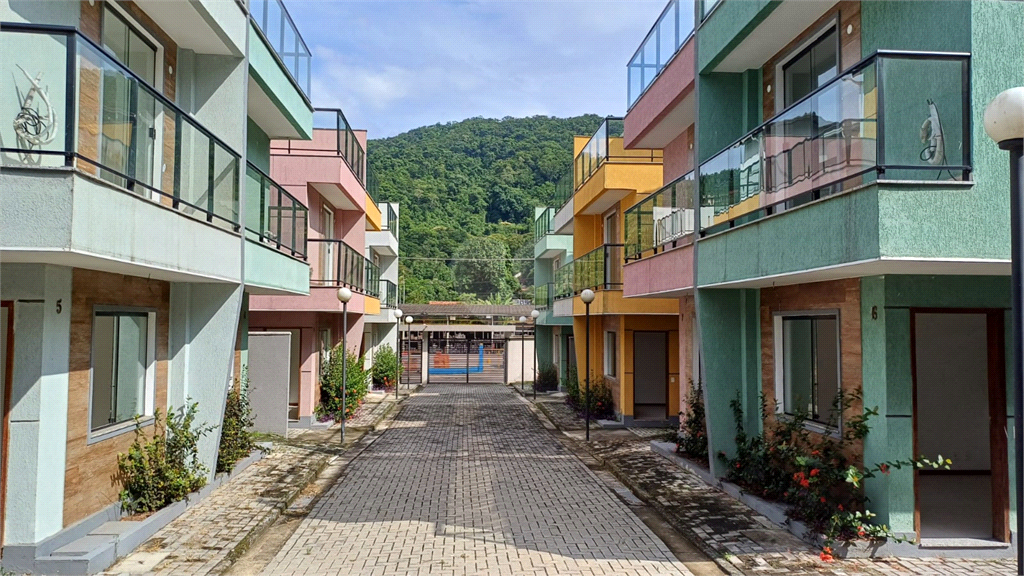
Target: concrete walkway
(465, 480)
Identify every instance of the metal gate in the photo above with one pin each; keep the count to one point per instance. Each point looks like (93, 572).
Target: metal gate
(412, 362)
(466, 361)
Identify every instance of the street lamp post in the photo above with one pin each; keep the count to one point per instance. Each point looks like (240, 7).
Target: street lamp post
(522, 353)
(1004, 123)
(587, 296)
(408, 320)
(398, 316)
(535, 314)
(344, 295)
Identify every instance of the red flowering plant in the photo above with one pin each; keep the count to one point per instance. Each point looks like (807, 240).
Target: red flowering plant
(815, 473)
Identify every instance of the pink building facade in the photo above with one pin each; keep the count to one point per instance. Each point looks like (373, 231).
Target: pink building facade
(329, 175)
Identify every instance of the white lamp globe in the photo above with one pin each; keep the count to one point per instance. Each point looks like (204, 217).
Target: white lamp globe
(522, 318)
(344, 294)
(408, 319)
(1004, 116)
(397, 312)
(535, 314)
(587, 296)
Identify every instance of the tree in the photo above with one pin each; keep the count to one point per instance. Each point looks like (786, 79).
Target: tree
(482, 267)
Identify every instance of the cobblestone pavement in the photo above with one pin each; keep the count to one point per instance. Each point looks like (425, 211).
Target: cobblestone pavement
(203, 539)
(743, 541)
(466, 481)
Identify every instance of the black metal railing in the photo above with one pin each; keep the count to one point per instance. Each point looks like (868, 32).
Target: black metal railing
(663, 217)
(279, 30)
(76, 106)
(341, 265)
(273, 216)
(390, 220)
(862, 125)
(599, 269)
(388, 294)
(543, 225)
(344, 143)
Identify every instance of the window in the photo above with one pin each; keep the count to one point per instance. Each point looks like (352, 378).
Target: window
(807, 366)
(123, 345)
(811, 67)
(609, 354)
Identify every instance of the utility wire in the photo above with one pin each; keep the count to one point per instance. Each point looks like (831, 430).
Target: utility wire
(403, 258)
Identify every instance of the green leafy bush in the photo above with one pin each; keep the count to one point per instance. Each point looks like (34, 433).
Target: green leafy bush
(692, 440)
(547, 378)
(237, 440)
(814, 473)
(602, 405)
(331, 398)
(165, 468)
(386, 369)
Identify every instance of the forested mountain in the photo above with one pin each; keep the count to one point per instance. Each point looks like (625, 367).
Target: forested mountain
(467, 190)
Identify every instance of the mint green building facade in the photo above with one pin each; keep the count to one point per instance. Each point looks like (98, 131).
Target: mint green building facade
(550, 252)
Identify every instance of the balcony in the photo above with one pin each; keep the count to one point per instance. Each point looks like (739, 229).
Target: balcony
(388, 294)
(385, 241)
(341, 265)
(151, 191)
(542, 225)
(671, 31)
(599, 269)
(561, 222)
(275, 227)
(562, 288)
(278, 30)
(604, 172)
(662, 220)
(333, 162)
(863, 126)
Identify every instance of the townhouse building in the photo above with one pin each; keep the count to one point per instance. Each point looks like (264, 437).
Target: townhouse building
(348, 242)
(126, 219)
(551, 251)
(633, 344)
(836, 224)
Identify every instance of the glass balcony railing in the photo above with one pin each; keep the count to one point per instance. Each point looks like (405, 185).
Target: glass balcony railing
(543, 225)
(390, 219)
(388, 294)
(673, 28)
(542, 295)
(863, 125)
(663, 217)
(280, 32)
(273, 216)
(342, 142)
(372, 272)
(72, 104)
(563, 285)
(599, 269)
(564, 188)
(372, 185)
(606, 146)
(341, 265)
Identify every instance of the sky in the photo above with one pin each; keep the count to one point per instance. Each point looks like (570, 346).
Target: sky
(395, 65)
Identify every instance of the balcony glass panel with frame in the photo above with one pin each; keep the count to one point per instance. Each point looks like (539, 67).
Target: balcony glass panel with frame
(274, 217)
(666, 216)
(671, 31)
(279, 30)
(121, 129)
(864, 125)
(344, 266)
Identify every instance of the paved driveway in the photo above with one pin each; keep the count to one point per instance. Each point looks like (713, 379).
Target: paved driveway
(467, 481)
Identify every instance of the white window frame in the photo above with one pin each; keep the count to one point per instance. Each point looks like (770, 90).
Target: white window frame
(149, 394)
(779, 357)
(610, 364)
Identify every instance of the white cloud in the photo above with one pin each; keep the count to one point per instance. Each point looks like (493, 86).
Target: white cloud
(396, 65)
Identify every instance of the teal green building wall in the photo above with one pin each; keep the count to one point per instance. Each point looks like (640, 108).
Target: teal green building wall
(727, 26)
(886, 304)
(731, 356)
(257, 149)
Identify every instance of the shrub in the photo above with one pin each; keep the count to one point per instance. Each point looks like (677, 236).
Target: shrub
(693, 433)
(331, 398)
(165, 468)
(602, 405)
(814, 474)
(237, 440)
(386, 369)
(547, 378)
